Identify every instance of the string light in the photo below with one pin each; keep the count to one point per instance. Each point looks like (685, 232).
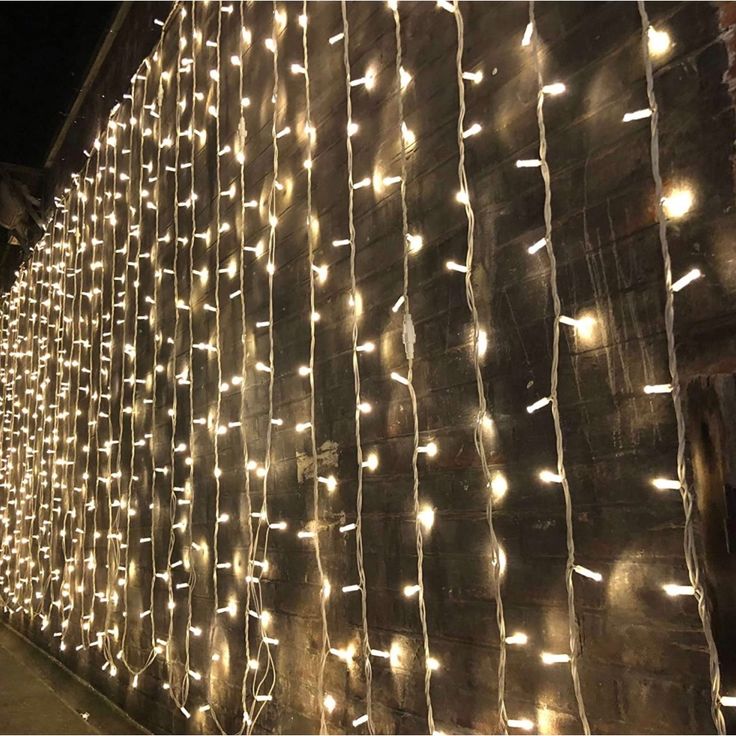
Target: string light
(559, 477)
(497, 556)
(80, 449)
(371, 462)
(655, 43)
(326, 702)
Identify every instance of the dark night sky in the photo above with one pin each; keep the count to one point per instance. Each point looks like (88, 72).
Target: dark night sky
(45, 49)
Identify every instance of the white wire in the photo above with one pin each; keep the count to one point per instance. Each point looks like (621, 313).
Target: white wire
(325, 642)
(408, 325)
(242, 132)
(478, 434)
(368, 670)
(574, 630)
(268, 678)
(690, 546)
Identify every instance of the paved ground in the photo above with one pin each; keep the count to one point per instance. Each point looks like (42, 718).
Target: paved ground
(39, 696)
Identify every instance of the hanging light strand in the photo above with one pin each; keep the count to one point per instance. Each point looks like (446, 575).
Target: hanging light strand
(691, 554)
(481, 414)
(264, 684)
(325, 641)
(574, 632)
(367, 668)
(409, 340)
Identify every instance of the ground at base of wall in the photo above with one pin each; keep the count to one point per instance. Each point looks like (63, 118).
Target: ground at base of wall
(39, 696)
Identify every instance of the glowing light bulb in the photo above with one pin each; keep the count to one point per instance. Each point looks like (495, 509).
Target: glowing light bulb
(658, 42)
(523, 723)
(539, 404)
(549, 477)
(474, 77)
(499, 486)
(556, 88)
(678, 203)
(528, 163)
(430, 449)
(407, 135)
(674, 590)
(405, 78)
(517, 639)
(637, 115)
(688, 278)
(415, 242)
(658, 388)
(665, 484)
(587, 573)
(458, 267)
(474, 129)
(583, 326)
(426, 517)
(371, 461)
(330, 481)
(482, 343)
(550, 658)
(526, 39)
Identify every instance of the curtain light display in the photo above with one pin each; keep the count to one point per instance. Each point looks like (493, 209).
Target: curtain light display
(212, 432)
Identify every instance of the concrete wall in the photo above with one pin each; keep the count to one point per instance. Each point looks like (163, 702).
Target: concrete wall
(643, 664)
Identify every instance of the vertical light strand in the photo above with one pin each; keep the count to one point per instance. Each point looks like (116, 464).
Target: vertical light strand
(150, 320)
(111, 555)
(18, 464)
(89, 488)
(131, 349)
(409, 338)
(116, 545)
(49, 408)
(60, 457)
(67, 577)
(496, 552)
(136, 231)
(18, 461)
(97, 265)
(25, 451)
(218, 357)
(62, 389)
(690, 547)
(243, 36)
(269, 674)
(36, 456)
(188, 375)
(155, 323)
(6, 394)
(171, 369)
(70, 430)
(367, 668)
(9, 546)
(310, 138)
(574, 629)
